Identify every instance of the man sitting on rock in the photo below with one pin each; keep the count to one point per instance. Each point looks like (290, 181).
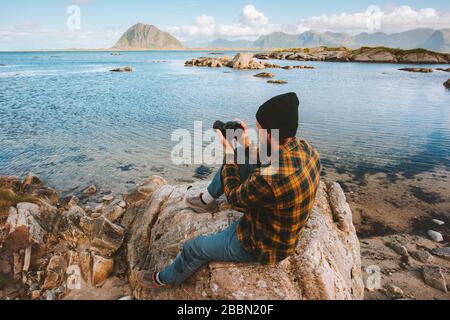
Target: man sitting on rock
(277, 205)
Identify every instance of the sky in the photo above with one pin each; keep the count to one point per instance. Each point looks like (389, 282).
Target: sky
(62, 24)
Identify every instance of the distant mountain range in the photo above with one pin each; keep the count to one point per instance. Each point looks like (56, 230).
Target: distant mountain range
(436, 40)
(143, 36)
(223, 43)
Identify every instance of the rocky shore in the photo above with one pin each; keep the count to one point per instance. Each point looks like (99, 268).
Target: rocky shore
(52, 248)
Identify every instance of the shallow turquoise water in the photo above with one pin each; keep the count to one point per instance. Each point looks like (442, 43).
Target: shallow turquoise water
(66, 118)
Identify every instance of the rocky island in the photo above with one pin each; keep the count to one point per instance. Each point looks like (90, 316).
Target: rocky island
(364, 54)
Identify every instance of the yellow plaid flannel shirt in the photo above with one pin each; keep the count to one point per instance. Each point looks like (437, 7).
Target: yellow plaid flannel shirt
(277, 205)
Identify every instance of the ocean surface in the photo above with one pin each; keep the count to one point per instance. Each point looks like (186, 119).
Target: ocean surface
(66, 118)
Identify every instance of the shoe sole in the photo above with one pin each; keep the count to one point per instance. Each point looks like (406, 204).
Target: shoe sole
(195, 208)
(144, 284)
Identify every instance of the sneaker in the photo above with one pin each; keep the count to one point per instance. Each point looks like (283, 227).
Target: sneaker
(148, 280)
(196, 203)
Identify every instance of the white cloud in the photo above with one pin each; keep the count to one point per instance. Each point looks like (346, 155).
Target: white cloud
(34, 37)
(253, 18)
(395, 20)
(252, 23)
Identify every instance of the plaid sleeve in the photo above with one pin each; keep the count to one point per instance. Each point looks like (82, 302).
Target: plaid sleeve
(255, 191)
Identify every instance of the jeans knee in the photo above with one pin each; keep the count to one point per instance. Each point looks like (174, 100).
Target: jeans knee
(191, 250)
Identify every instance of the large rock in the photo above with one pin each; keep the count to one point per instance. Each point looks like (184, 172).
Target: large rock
(447, 84)
(22, 227)
(123, 69)
(420, 70)
(326, 264)
(246, 61)
(374, 55)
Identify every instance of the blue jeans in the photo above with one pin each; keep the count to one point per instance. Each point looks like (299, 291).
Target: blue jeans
(223, 246)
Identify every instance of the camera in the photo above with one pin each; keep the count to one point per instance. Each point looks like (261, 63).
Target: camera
(223, 127)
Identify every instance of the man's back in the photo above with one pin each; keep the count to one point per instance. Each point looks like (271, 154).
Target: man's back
(278, 205)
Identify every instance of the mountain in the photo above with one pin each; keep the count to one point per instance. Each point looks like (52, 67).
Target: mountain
(143, 36)
(418, 38)
(223, 43)
(277, 40)
(439, 41)
(405, 40)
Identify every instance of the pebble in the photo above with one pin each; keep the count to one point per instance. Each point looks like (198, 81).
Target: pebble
(394, 292)
(422, 256)
(108, 198)
(398, 248)
(435, 236)
(441, 252)
(90, 190)
(438, 222)
(433, 276)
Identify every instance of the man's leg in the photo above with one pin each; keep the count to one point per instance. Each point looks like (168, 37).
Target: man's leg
(216, 189)
(205, 201)
(223, 246)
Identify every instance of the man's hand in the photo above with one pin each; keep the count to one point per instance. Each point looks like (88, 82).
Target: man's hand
(244, 138)
(227, 147)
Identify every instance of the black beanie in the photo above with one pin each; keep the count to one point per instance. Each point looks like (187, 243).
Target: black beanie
(280, 112)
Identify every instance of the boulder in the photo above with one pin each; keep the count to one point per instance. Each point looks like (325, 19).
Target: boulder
(10, 182)
(114, 211)
(447, 84)
(23, 228)
(435, 236)
(394, 292)
(422, 256)
(373, 55)
(99, 235)
(246, 61)
(433, 276)
(442, 252)
(264, 75)
(326, 264)
(56, 270)
(89, 191)
(124, 69)
(398, 247)
(277, 81)
(101, 270)
(33, 186)
(420, 70)
(69, 202)
(272, 65)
